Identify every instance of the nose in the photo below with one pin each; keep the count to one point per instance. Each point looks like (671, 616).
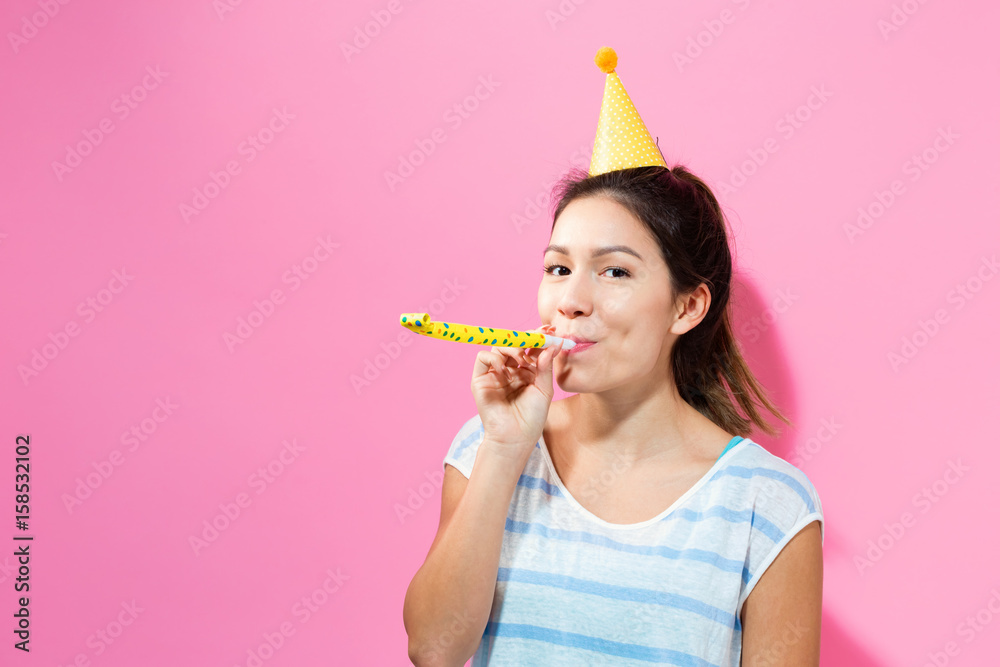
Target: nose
(576, 299)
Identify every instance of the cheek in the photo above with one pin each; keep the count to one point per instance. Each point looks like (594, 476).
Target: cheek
(633, 309)
(643, 333)
(632, 301)
(546, 304)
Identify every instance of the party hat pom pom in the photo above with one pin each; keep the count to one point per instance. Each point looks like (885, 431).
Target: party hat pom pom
(606, 59)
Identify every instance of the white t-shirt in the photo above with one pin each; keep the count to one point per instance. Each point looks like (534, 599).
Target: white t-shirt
(573, 589)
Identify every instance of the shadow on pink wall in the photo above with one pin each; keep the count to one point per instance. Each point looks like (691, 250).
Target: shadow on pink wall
(838, 649)
(757, 323)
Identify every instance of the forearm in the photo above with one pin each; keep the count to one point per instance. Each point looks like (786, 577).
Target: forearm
(449, 599)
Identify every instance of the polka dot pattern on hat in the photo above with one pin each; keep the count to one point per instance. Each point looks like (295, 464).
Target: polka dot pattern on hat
(622, 140)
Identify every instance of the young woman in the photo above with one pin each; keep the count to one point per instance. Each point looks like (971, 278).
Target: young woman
(634, 522)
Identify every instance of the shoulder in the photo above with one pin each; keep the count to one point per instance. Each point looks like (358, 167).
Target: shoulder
(779, 501)
(462, 451)
(774, 488)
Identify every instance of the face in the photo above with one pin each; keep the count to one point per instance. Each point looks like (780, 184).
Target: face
(620, 299)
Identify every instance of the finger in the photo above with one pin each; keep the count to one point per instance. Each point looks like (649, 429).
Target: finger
(508, 355)
(502, 367)
(487, 363)
(522, 378)
(523, 355)
(531, 354)
(535, 353)
(521, 375)
(546, 362)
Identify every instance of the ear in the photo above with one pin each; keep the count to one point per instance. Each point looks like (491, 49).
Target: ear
(690, 309)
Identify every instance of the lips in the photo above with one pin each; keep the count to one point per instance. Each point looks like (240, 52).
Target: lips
(582, 344)
(575, 339)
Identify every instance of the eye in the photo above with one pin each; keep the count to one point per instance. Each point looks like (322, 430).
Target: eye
(618, 268)
(552, 267)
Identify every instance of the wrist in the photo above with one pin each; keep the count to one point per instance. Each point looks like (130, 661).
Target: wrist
(503, 459)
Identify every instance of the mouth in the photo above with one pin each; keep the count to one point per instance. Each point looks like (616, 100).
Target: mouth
(572, 337)
(582, 344)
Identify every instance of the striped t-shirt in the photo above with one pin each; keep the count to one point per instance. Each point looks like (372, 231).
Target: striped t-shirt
(573, 589)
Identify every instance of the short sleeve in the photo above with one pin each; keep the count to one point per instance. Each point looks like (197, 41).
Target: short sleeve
(784, 503)
(462, 452)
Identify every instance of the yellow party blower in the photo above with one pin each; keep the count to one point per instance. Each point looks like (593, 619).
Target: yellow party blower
(462, 333)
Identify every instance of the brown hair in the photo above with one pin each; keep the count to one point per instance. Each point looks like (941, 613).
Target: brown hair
(684, 217)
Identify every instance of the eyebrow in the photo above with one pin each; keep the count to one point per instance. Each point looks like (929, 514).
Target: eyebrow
(597, 251)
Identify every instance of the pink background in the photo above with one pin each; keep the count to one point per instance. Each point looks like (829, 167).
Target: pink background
(819, 312)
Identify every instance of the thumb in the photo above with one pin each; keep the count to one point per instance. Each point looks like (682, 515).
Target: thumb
(546, 360)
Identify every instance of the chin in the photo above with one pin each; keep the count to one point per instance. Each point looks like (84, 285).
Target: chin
(575, 385)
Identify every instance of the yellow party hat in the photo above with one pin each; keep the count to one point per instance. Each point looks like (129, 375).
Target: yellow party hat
(622, 140)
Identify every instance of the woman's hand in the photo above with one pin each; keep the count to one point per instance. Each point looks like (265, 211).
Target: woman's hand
(513, 390)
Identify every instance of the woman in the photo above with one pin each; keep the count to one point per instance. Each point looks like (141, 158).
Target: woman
(632, 523)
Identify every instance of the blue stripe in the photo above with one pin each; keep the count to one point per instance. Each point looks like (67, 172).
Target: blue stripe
(531, 482)
(587, 643)
(469, 439)
(710, 557)
(732, 516)
(619, 593)
(765, 526)
(747, 473)
(719, 511)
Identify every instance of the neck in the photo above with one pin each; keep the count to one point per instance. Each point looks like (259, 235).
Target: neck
(635, 426)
